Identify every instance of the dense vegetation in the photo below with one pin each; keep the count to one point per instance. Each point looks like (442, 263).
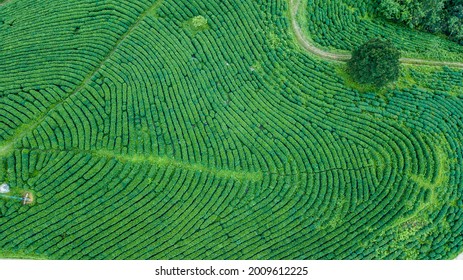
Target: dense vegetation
(146, 134)
(375, 62)
(445, 16)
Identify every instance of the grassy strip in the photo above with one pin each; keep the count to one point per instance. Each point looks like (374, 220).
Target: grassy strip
(21, 256)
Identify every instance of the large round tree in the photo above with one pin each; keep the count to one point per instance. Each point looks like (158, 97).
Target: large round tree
(375, 62)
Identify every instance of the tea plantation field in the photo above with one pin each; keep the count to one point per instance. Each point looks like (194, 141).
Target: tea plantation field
(344, 24)
(193, 129)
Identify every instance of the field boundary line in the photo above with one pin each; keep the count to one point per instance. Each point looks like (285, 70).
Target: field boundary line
(165, 161)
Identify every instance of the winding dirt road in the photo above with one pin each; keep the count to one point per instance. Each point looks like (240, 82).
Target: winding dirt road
(305, 43)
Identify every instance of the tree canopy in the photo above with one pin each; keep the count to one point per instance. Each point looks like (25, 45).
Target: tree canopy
(442, 16)
(375, 62)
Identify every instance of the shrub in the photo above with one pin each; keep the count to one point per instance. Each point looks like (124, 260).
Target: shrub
(198, 23)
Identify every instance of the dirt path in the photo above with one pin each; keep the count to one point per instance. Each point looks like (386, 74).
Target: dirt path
(326, 55)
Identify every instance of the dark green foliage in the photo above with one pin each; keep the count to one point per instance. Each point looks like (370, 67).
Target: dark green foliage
(445, 16)
(375, 62)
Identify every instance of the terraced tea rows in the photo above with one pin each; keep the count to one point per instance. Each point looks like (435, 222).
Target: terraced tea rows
(142, 139)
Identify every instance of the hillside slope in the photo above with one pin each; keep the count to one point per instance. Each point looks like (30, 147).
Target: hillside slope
(144, 136)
